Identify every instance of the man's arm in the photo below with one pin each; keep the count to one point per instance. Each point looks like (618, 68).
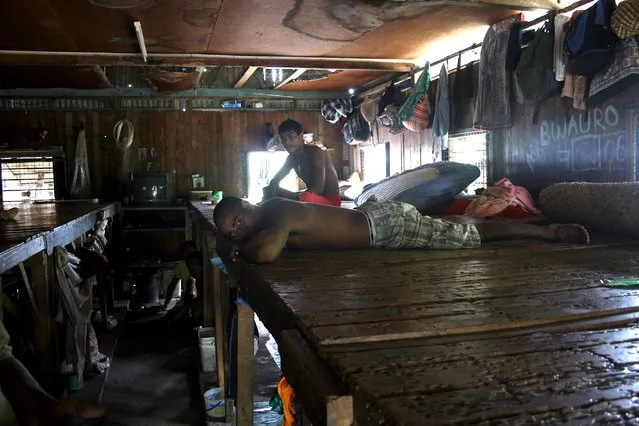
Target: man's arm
(281, 174)
(32, 405)
(319, 172)
(266, 245)
(22, 391)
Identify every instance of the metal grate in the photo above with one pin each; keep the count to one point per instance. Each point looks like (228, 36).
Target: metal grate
(470, 148)
(27, 181)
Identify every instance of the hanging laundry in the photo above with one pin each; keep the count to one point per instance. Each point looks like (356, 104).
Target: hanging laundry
(81, 184)
(287, 395)
(560, 56)
(441, 121)
(492, 106)
(575, 85)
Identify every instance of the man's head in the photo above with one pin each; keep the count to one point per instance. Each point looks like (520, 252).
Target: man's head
(235, 218)
(291, 135)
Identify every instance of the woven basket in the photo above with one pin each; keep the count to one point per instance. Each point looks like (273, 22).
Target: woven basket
(609, 207)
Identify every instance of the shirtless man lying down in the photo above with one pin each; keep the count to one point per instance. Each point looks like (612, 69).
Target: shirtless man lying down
(261, 232)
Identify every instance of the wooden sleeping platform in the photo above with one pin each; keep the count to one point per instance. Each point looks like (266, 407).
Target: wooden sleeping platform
(28, 243)
(41, 227)
(514, 332)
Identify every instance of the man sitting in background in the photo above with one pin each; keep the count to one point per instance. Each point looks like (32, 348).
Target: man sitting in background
(31, 404)
(261, 232)
(311, 164)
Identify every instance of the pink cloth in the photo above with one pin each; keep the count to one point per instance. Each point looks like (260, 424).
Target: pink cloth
(497, 198)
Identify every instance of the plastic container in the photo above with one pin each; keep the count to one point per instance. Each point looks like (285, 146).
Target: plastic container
(206, 341)
(217, 197)
(215, 404)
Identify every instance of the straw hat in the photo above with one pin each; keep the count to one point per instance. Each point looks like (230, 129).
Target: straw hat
(625, 19)
(368, 109)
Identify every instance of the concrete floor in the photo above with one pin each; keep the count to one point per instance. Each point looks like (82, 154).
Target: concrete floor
(153, 379)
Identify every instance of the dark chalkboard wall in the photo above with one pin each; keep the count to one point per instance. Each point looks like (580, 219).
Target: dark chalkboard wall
(564, 144)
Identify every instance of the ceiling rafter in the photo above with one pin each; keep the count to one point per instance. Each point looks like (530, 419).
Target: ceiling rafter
(245, 77)
(297, 74)
(20, 57)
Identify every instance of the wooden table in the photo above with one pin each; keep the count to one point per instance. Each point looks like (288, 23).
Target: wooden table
(42, 227)
(30, 240)
(519, 332)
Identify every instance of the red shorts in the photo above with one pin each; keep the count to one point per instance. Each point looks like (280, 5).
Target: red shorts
(331, 200)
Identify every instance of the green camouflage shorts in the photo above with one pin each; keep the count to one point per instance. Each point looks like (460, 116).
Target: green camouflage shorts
(396, 225)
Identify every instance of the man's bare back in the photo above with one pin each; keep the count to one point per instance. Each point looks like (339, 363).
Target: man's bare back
(305, 169)
(316, 225)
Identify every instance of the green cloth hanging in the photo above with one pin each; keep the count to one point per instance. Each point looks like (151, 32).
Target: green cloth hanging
(417, 94)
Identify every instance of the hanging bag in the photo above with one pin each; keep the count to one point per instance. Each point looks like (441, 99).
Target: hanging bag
(590, 41)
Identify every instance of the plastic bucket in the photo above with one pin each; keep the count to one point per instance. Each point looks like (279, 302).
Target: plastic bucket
(206, 342)
(215, 404)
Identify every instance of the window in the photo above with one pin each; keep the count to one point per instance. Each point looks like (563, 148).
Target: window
(470, 148)
(27, 181)
(375, 165)
(262, 167)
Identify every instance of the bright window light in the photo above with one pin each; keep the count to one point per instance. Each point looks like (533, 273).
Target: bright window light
(262, 167)
(27, 181)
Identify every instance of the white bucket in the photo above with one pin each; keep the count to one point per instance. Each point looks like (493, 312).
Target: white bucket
(215, 404)
(206, 341)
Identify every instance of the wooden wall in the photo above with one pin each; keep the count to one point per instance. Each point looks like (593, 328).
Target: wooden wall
(209, 143)
(569, 145)
(407, 149)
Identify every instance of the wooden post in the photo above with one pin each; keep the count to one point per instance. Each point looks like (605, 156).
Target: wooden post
(220, 330)
(244, 365)
(43, 280)
(208, 272)
(188, 228)
(323, 397)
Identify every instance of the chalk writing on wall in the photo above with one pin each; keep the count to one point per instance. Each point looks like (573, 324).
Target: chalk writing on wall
(595, 140)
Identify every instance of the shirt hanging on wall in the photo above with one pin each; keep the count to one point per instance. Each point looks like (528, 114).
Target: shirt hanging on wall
(441, 120)
(560, 56)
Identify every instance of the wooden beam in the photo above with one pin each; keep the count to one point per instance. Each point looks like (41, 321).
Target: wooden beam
(291, 77)
(245, 77)
(323, 398)
(27, 284)
(245, 324)
(15, 57)
(246, 94)
(102, 75)
(200, 71)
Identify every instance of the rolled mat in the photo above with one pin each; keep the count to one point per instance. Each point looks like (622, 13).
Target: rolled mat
(611, 207)
(431, 188)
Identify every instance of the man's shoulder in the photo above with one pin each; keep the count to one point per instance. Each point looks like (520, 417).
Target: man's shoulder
(313, 150)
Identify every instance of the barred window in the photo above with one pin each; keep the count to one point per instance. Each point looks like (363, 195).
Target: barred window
(27, 181)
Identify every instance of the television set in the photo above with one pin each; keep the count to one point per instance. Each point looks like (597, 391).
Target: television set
(151, 188)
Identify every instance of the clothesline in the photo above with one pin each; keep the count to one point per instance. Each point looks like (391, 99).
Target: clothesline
(528, 24)
(478, 45)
